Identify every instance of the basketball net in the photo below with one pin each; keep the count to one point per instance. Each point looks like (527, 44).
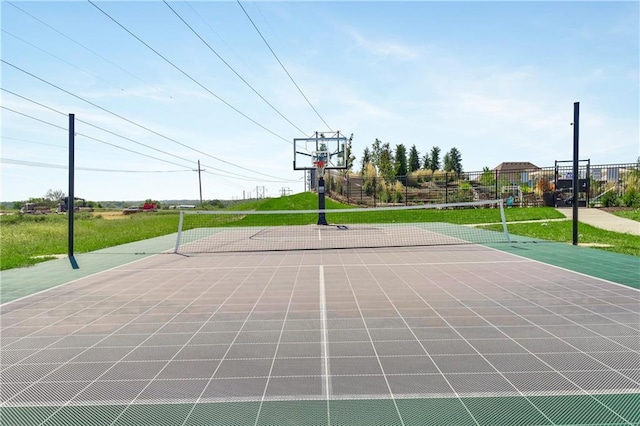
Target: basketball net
(319, 166)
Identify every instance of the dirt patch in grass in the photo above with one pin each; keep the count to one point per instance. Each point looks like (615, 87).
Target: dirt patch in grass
(615, 209)
(111, 215)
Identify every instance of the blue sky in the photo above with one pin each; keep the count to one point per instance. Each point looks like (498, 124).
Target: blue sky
(496, 80)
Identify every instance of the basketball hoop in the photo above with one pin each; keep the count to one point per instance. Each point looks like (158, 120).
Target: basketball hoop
(319, 165)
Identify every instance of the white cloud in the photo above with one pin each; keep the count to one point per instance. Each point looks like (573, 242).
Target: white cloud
(381, 48)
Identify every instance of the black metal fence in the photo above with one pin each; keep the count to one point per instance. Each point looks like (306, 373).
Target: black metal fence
(546, 186)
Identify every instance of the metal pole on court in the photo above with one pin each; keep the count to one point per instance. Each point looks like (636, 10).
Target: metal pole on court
(576, 128)
(70, 203)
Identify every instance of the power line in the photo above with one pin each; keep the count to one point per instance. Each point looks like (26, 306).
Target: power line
(228, 174)
(92, 138)
(84, 47)
(34, 142)
(61, 59)
(231, 68)
(34, 118)
(133, 122)
(90, 169)
(283, 67)
(189, 76)
(220, 37)
(93, 125)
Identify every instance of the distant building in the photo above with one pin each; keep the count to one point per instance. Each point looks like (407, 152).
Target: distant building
(516, 172)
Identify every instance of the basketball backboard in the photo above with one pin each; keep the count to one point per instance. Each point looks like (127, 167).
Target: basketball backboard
(330, 145)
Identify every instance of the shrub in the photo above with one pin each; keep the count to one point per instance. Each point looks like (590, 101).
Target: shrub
(609, 199)
(631, 197)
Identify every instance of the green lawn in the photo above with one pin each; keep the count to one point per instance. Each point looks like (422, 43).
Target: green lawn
(562, 231)
(26, 240)
(629, 214)
(25, 237)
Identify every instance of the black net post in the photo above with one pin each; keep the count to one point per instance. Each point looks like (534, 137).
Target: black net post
(576, 188)
(70, 203)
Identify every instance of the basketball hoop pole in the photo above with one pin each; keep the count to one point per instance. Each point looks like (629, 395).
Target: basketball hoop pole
(321, 204)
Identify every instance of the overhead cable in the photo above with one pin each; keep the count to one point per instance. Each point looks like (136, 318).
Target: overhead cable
(227, 173)
(89, 169)
(133, 122)
(190, 77)
(283, 67)
(231, 68)
(83, 46)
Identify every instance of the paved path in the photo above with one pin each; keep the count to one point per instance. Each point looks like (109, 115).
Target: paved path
(603, 220)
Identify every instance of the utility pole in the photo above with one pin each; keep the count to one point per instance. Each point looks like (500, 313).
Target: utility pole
(200, 181)
(261, 192)
(284, 191)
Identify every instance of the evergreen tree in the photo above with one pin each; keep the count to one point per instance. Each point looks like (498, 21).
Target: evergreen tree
(455, 159)
(434, 159)
(414, 159)
(400, 163)
(426, 162)
(448, 165)
(366, 158)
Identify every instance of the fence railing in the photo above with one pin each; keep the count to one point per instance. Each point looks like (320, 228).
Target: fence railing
(550, 186)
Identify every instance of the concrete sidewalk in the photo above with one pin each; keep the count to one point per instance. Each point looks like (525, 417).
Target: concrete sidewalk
(603, 220)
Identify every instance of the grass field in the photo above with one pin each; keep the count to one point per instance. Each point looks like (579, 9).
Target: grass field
(562, 231)
(629, 214)
(27, 240)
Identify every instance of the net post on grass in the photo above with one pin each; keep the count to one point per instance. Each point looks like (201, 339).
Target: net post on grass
(219, 231)
(319, 160)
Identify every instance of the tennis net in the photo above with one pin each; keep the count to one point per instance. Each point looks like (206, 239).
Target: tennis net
(423, 225)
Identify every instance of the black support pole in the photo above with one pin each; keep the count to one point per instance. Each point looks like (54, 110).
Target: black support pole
(70, 204)
(321, 206)
(576, 189)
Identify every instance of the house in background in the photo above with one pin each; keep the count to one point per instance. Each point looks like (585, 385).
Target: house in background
(516, 172)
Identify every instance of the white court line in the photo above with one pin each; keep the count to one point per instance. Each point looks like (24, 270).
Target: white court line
(324, 328)
(211, 268)
(78, 279)
(563, 269)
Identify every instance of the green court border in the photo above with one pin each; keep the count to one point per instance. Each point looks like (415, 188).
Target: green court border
(618, 268)
(600, 409)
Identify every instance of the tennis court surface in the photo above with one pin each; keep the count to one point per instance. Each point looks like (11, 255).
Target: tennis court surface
(443, 335)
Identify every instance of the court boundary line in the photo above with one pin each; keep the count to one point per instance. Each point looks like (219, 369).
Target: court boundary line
(563, 268)
(77, 279)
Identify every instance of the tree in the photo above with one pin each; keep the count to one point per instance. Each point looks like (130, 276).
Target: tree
(366, 159)
(385, 162)
(426, 162)
(350, 157)
(55, 195)
(453, 162)
(346, 152)
(376, 149)
(369, 175)
(434, 159)
(414, 159)
(488, 177)
(400, 162)
(448, 165)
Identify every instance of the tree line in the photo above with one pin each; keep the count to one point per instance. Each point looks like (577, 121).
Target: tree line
(390, 163)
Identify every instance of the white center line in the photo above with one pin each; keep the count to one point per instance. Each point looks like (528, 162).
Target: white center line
(325, 340)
